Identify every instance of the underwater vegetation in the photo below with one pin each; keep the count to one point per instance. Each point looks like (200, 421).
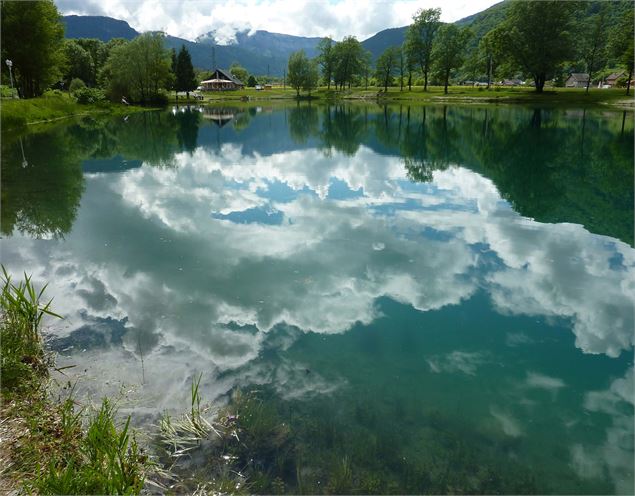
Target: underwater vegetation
(256, 444)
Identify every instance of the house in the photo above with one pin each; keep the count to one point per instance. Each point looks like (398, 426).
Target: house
(221, 81)
(577, 80)
(511, 82)
(611, 80)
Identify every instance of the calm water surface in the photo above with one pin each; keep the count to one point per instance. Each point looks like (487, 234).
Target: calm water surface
(433, 299)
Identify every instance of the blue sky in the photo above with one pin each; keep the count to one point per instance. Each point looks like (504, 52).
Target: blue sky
(337, 18)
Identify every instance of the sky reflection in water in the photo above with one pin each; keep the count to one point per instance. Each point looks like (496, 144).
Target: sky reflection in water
(372, 247)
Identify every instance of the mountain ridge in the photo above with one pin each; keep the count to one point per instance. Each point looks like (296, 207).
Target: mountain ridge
(260, 52)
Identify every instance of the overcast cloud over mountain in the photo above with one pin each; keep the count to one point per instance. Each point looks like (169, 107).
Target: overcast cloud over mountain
(192, 18)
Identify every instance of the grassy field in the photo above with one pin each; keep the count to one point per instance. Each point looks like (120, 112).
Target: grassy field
(459, 94)
(18, 113)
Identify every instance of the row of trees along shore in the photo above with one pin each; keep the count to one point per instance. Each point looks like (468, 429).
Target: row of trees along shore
(536, 40)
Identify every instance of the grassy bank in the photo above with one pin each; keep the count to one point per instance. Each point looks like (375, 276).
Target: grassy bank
(50, 446)
(52, 106)
(457, 94)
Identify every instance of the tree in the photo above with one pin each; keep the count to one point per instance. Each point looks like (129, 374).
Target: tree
(537, 37)
(326, 59)
(621, 44)
(411, 62)
(312, 77)
(239, 72)
(490, 51)
(79, 63)
(251, 82)
(401, 65)
(298, 71)
(98, 52)
(32, 37)
(366, 66)
(386, 65)
(448, 51)
(138, 69)
(185, 78)
(420, 38)
(349, 57)
(593, 48)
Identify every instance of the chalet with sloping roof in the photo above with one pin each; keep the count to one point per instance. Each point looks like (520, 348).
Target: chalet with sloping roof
(577, 80)
(221, 81)
(611, 80)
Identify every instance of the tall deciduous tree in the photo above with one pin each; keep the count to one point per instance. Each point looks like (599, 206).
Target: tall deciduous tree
(490, 52)
(312, 77)
(185, 78)
(98, 52)
(349, 60)
(621, 44)
(593, 47)
(298, 71)
(239, 72)
(420, 38)
(139, 69)
(79, 63)
(537, 36)
(326, 59)
(32, 37)
(448, 51)
(387, 63)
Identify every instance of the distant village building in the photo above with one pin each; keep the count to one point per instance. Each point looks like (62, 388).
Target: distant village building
(221, 81)
(611, 80)
(577, 80)
(511, 82)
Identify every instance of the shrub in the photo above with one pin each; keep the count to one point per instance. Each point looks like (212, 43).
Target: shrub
(51, 93)
(89, 95)
(76, 84)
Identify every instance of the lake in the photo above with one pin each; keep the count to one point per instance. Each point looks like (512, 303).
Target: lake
(429, 299)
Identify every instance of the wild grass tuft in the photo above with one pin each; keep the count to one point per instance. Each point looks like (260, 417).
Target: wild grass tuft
(107, 460)
(22, 312)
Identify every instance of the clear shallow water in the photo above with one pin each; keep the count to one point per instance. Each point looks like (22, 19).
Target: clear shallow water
(439, 299)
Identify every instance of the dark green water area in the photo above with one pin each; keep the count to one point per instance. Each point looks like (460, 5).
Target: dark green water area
(430, 299)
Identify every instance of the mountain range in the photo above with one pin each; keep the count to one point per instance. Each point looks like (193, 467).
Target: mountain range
(262, 52)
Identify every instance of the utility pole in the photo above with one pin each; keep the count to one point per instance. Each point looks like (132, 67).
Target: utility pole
(214, 57)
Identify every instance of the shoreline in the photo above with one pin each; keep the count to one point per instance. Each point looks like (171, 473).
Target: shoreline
(17, 114)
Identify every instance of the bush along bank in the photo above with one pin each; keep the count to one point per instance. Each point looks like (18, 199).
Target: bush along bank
(56, 104)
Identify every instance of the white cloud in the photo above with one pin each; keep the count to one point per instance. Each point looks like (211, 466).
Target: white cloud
(191, 18)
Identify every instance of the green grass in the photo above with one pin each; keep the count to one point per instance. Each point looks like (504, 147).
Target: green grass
(22, 358)
(459, 94)
(53, 447)
(53, 105)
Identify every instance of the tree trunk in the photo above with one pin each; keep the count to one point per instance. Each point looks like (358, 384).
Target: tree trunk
(410, 81)
(447, 79)
(628, 83)
(539, 80)
(489, 71)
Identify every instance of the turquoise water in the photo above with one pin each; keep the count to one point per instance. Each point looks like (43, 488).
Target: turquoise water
(431, 299)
